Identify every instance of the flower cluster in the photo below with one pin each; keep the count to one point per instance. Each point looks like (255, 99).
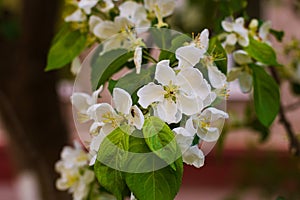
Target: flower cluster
(182, 90)
(75, 174)
(176, 95)
(235, 39)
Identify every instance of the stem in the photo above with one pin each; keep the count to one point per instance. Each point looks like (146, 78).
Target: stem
(149, 57)
(294, 142)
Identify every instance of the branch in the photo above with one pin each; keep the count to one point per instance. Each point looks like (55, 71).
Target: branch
(294, 142)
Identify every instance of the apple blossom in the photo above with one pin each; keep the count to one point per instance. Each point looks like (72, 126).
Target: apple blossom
(237, 33)
(175, 93)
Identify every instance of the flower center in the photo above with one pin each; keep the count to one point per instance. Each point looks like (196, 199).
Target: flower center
(111, 119)
(171, 92)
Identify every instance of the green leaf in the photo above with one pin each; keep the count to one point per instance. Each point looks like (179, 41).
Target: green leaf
(277, 34)
(262, 52)
(266, 96)
(104, 66)
(67, 44)
(216, 50)
(161, 184)
(161, 37)
(161, 140)
(111, 159)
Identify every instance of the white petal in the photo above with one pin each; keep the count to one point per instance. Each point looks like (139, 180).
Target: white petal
(211, 97)
(138, 59)
(189, 126)
(93, 22)
(164, 74)
(95, 95)
(210, 134)
(167, 7)
(150, 93)
(194, 156)
(102, 110)
(243, 40)
(189, 56)
(105, 30)
(136, 117)
(87, 5)
(240, 21)
(122, 101)
(81, 101)
(264, 30)
(231, 39)
(227, 26)
(241, 57)
(167, 111)
(77, 16)
(204, 39)
(245, 81)
(96, 142)
(184, 138)
(216, 77)
(190, 81)
(107, 129)
(215, 113)
(189, 105)
(122, 23)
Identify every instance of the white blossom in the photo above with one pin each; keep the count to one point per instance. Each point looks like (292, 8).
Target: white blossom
(191, 154)
(124, 111)
(175, 93)
(243, 72)
(237, 33)
(82, 102)
(87, 5)
(161, 9)
(75, 175)
(189, 56)
(135, 13)
(208, 123)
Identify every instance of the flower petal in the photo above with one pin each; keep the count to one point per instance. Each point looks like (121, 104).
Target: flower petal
(216, 77)
(136, 117)
(189, 105)
(264, 30)
(87, 5)
(138, 59)
(189, 81)
(227, 26)
(204, 39)
(210, 134)
(81, 101)
(167, 111)
(241, 57)
(150, 93)
(105, 30)
(194, 156)
(77, 16)
(93, 22)
(245, 81)
(231, 39)
(164, 74)
(122, 101)
(189, 56)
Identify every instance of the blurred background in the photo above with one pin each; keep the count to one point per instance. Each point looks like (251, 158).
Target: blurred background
(249, 162)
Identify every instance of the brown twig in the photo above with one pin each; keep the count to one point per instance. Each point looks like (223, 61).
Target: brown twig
(294, 142)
